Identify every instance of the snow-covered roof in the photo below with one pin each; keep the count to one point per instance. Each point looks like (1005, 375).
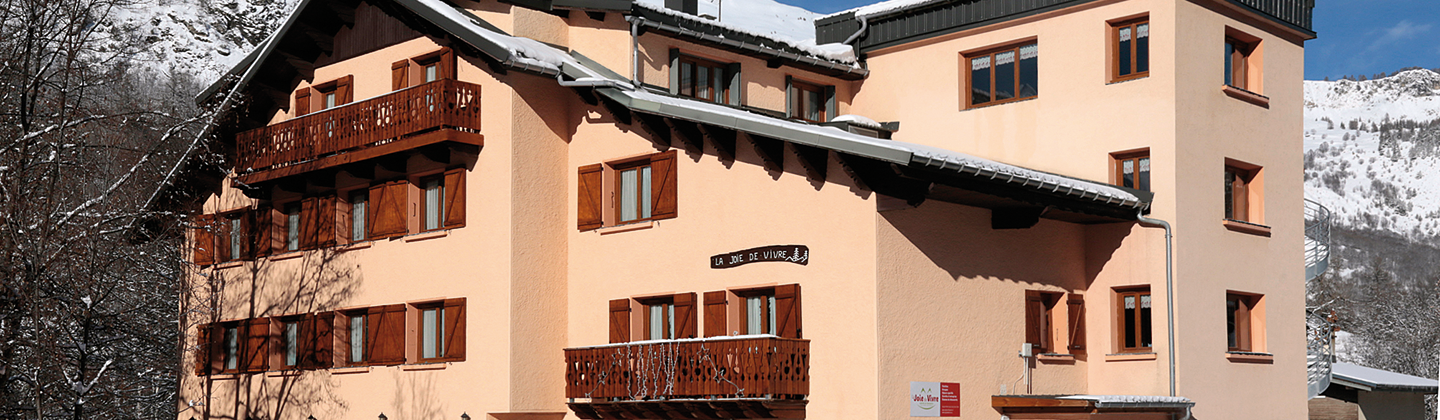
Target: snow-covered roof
(884, 7)
(1357, 376)
(1115, 401)
(785, 26)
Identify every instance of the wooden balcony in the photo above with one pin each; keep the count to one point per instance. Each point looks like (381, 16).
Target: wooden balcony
(721, 377)
(435, 112)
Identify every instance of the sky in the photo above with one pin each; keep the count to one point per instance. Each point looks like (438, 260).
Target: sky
(1355, 36)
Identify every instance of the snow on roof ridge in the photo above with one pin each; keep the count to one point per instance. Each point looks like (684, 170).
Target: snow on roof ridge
(883, 7)
(1381, 377)
(836, 52)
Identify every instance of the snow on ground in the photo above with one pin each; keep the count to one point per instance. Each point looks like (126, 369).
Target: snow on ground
(1364, 185)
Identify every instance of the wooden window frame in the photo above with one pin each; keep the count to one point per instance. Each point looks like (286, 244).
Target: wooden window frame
(1040, 326)
(424, 205)
(1244, 194)
(1115, 65)
(799, 89)
(350, 199)
(231, 233)
(441, 333)
(298, 220)
(1117, 163)
(365, 337)
(743, 314)
(667, 309)
(785, 296)
(968, 74)
(281, 342)
(718, 94)
(1121, 326)
(1247, 321)
(641, 196)
(225, 356)
(1246, 65)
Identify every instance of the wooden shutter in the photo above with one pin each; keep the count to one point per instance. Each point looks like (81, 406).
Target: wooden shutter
(1076, 305)
(202, 350)
(323, 340)
(216, 353)
(204, 244)
(715, 311)
(662, 181)
(455, 329)
(255, 348)
(686, 317)
(247, 235)
(1242, 323)
(732, 71)
(309, 216)
(385, 335)
(221, 232)
(446, 64)
(302, 101)
(590, 201)
(259, 239)
(387, 213)
(674, 71)
(1240, 191)
(454, 198)
(1034, 320)
(400, 74)
(305, 342)
(343, 90)
(787, 311)
(325, 221)
(620, 320)
(278, 231)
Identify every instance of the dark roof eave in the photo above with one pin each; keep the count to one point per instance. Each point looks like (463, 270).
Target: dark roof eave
(733, 40)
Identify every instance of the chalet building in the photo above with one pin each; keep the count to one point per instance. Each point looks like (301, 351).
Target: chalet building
(608, 209)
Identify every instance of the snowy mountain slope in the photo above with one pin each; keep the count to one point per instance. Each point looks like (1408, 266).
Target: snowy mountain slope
(199, 37)
(1371, 152)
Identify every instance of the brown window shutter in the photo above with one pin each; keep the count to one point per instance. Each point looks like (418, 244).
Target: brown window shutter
(1241, 193)
(202, 350)
(455, 329)
(222, 239)
(388, 330)
(325, 221)
(247, 236)
(343, 90)
(260, 232)
(454, 198)
(309, 215)
(620, 320)
(392, 212)
(372, 210)
(1034, 320)
(1077, 323)
(590, 201)
(447, 63)
(204, 240)
(302, 101)
(400, 75)
(1242, 325)
(374, 320)
(715, 308)
(663, 184)
(255, 351)
(304, 342)
(217, 348)
(324, 340)
(277, 230)
(686, 317)
(787, 311)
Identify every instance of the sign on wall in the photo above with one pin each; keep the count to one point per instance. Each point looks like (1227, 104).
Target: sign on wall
(934, 399)
(797, 254)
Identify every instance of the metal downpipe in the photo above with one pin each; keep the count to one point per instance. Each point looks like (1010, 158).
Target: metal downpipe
(1169, 288)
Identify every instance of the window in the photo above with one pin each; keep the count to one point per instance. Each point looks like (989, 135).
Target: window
(232, 348)
(660, 319)
(432, 332)
(810, 102)
(358, 201)
(1244, 193)
(654, 318)
(290, 342)
(1134, 320)
(1005, 75)
(641, 189)
(1039, 321)
(1237, 57)
(1132, 169)
(1132, 49)
(323, 96)
(770, 310)
(422, 69)
(292, 227)
(760, 313)
(431, 211)
(702, 79)
(357, 335)
(237, 237)
(1242, 322)
(432, 72)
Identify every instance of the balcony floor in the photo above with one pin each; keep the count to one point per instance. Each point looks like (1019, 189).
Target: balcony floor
(397, 146)
(691, 409)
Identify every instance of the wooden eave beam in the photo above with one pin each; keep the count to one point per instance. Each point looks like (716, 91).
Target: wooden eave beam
(814, 159)
(342, 10)
(722, 138)
(884, 178)
(771, 151)
(655, 125)
(621, 113)
(688, 133)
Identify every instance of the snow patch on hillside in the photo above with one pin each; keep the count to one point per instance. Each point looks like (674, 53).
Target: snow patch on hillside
(1371, 152)
(203, 38)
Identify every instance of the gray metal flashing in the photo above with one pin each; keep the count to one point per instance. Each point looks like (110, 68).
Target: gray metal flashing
(595, 5)
(1378, 380)
(745, 43)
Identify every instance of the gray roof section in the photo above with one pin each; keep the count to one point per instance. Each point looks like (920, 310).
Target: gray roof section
(1371, 379)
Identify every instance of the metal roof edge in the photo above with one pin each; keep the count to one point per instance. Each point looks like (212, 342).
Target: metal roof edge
(728, 38)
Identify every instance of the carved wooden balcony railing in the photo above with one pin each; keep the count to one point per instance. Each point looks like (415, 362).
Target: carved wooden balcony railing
(369, 124)
(720, 367)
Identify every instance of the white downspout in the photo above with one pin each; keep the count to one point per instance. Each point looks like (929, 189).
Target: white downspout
(1169, 289)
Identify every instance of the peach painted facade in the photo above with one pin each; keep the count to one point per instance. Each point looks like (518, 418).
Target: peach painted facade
(892, 293)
